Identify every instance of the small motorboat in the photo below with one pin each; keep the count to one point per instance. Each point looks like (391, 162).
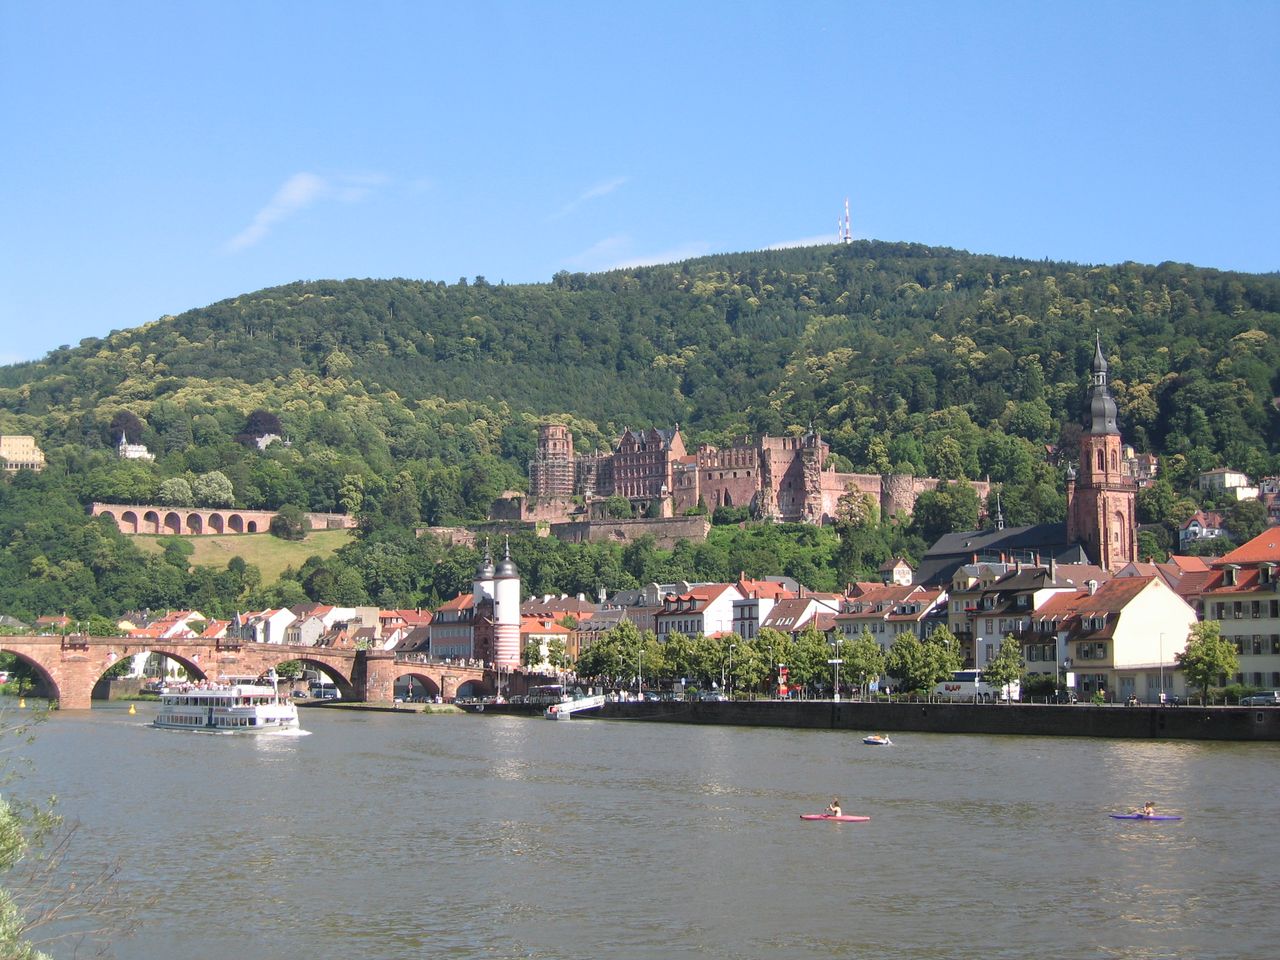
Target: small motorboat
(877, 740)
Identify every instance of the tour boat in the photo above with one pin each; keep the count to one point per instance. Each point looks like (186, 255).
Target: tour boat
(878, 740)
(232, 705)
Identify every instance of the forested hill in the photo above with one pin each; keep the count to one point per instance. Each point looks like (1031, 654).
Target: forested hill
(884, 347)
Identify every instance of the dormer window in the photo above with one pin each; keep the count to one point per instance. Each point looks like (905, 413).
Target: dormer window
(1267, 573)
(1229, 575)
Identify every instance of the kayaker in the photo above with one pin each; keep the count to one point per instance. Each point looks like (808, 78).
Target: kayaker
(833, 808)
(1148, 810)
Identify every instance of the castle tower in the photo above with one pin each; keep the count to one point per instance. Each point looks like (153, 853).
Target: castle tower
(1100, 498)
(506, 612)
(551, 472)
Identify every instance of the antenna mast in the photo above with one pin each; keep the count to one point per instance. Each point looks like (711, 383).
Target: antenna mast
(846, 234)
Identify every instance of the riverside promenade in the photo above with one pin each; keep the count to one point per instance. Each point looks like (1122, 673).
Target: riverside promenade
(1042, 720)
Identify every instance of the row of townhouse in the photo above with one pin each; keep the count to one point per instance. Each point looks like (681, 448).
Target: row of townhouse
(1117, 633)
(1242, 592)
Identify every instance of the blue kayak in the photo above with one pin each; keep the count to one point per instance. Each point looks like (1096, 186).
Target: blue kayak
(1142, 816)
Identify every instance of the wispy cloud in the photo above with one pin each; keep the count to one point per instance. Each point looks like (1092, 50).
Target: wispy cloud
(602, 189)
(611, 254)
(685, 251)
(300, 191)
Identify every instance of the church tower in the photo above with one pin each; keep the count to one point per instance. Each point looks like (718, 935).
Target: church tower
(1100, 498)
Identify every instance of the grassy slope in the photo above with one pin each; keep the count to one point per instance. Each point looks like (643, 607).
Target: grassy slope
(269, 554)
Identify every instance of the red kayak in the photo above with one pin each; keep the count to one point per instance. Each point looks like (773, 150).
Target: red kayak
(843, 818)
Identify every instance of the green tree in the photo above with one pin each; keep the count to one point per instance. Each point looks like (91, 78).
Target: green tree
(864, 660)
(1209, 658)
(618, 508)
(1006, 666)
(1246, 519)
(951, 507)
(290, 522)
(213, 489)
(175, 492)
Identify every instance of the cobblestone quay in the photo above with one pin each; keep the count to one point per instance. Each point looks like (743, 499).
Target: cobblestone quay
(1078, 720)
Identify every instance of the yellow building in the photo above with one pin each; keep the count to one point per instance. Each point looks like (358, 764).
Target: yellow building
(20, 453)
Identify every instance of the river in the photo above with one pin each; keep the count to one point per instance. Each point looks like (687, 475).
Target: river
(390, 836)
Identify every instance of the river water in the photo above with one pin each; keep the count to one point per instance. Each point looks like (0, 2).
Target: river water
(393, 836)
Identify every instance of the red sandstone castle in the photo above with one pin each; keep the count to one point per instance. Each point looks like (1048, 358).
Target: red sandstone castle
(779, 478)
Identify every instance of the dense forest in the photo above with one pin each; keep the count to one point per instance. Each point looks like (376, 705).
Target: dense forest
(413, 402)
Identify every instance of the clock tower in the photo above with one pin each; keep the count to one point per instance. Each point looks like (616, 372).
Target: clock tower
(1100, 498)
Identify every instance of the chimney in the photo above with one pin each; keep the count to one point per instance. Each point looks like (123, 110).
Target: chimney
(1053, 569)
(1091, 586)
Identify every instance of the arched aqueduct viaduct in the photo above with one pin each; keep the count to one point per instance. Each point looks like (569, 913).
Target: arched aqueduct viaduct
(69, 667)
(150, 518)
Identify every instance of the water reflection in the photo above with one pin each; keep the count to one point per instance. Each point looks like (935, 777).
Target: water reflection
(387, 836)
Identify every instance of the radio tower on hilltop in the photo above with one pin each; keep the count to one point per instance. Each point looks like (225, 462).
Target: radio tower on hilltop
(842, 226)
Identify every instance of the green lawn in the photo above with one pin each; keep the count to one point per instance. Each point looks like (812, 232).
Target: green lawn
(269, 554)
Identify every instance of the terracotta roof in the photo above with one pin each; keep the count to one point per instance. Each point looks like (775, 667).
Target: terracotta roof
(1265, 546)
(1112, 596)
(540, 625)
(763, 588)
(462, 601)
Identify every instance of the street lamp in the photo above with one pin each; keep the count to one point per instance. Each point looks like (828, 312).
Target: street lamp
(835, 662)
(1162, 697)
(640, 670)
(731, 646)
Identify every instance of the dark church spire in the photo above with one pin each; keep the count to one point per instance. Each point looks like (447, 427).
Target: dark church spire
(1102, 408)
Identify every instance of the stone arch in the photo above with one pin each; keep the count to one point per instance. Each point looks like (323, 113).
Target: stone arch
(251, 526)
(474, 687)
(345, 688)
(235, 523)
(153, 518)
(217, 523)
(195, 523)
(109, 515)
(416, 684)
(172, 522)
(191, 664)
(45, 684)
(129, 521)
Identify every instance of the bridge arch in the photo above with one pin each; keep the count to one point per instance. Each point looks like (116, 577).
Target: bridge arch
(416, 683)
(235, 523)
(473, 688)
(151, 519)
(216, 523)
(195, 523)
(346, 688)
(130, 517)
(191, 664)
(172, 522)
(45, 685)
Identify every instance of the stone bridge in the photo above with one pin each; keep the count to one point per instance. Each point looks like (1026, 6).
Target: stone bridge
(149, 518)
(69, 667)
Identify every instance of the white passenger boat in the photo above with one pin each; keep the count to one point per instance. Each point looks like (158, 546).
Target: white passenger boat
(232, 705)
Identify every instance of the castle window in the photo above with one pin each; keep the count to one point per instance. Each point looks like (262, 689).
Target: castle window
(1101, 461)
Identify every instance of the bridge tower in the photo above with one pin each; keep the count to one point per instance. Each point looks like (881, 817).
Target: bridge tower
(506, 612)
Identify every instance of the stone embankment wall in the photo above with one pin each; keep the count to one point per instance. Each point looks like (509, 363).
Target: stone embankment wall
(666, 532)
(1151, 723)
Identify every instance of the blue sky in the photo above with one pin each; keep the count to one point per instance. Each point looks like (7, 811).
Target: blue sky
(163, 156)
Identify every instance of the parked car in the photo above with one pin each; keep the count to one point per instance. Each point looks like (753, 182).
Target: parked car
(1270, 698)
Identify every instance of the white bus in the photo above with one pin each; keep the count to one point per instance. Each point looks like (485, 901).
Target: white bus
(970, 685)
